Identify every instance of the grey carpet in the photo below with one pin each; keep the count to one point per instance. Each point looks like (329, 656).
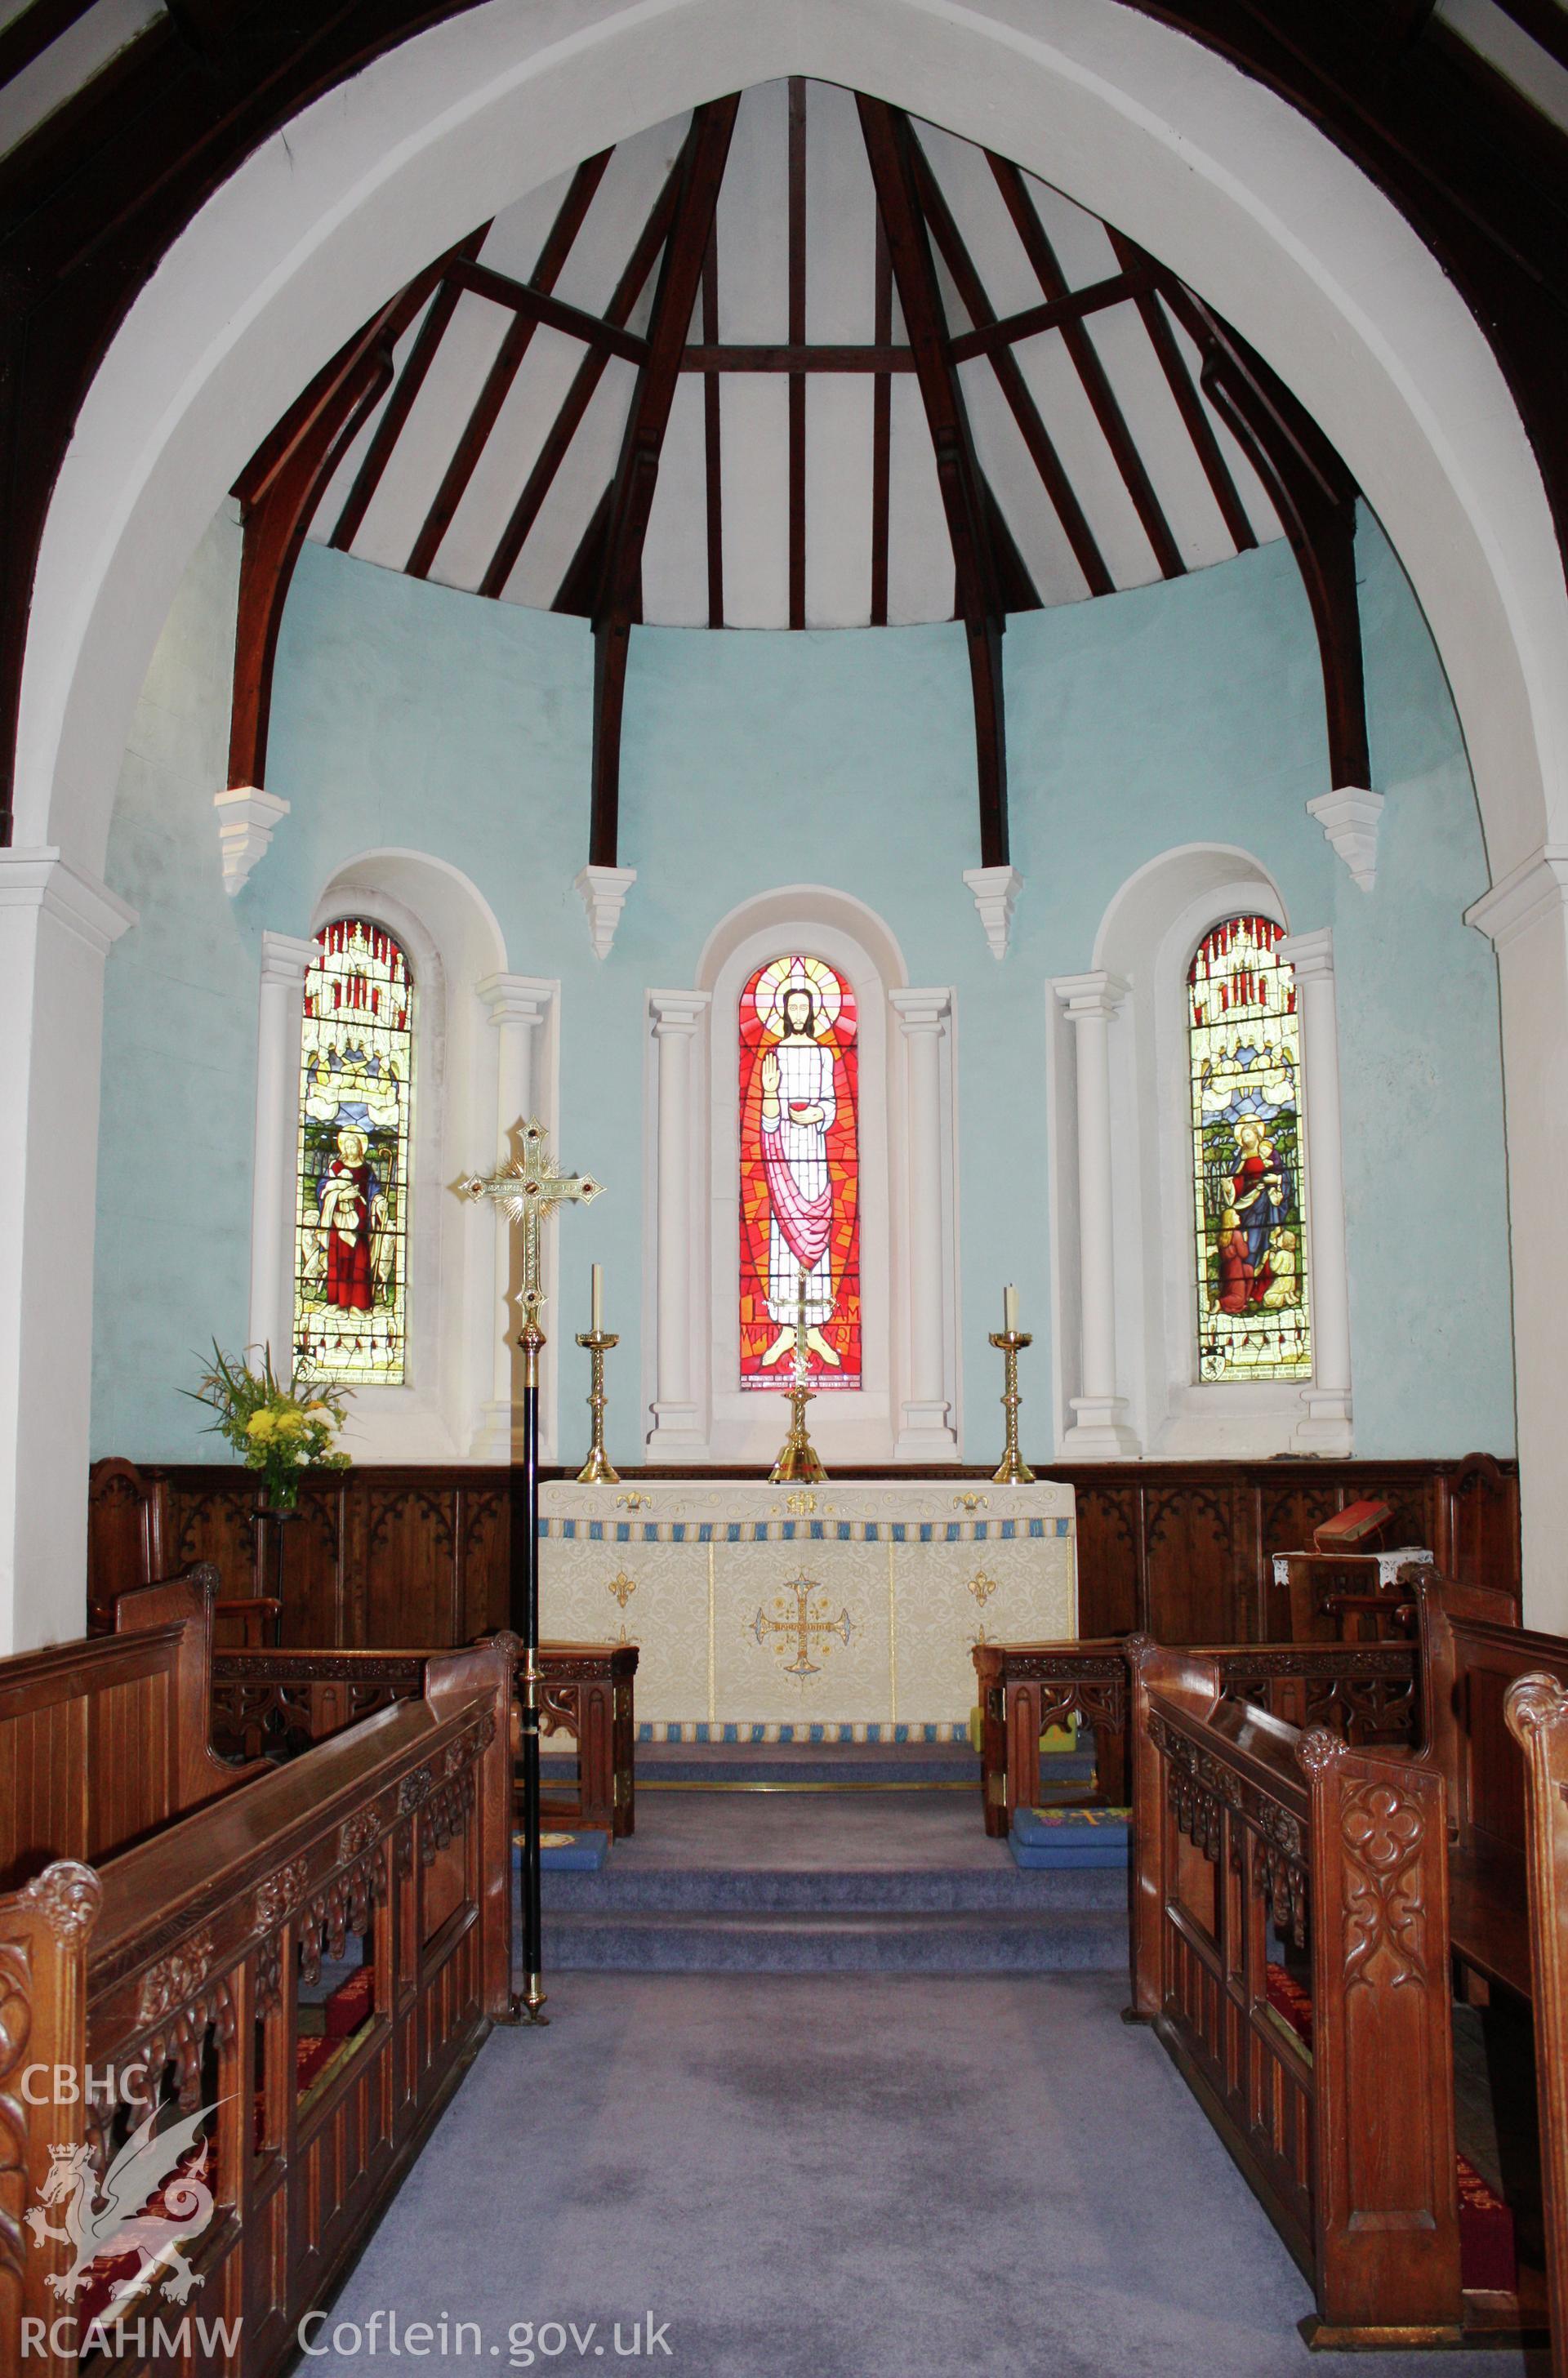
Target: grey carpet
(857, 2177)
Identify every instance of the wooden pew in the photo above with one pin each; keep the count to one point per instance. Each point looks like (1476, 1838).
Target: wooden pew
(272, 1702)
(103, 1740)
(1245, 1823)
(1470, 1656)
(1535, 1710)
(1366, 1691)
(172, 1973)
(128, 1539)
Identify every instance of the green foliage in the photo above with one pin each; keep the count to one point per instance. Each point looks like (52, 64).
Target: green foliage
(276, 1430)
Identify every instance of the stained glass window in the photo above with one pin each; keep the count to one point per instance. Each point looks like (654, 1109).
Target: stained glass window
(351, 1218)
(800, 1173)
(1244, 1045)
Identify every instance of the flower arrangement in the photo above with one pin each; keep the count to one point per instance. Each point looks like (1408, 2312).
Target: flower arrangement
(279, 1431)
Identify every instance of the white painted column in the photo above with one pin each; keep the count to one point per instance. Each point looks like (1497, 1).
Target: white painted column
(1327, 1427)
(677, 1428)
(1099, 1430)
(1526, 916)
(926, 1432)
(517, 1006)
(286, 961)
(57, 925)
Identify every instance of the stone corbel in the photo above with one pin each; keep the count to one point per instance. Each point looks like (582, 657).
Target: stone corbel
(996, 891)
(602, 891)
(1349, 818)
(247, 818)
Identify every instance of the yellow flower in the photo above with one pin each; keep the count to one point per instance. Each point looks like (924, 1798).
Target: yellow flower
(262, 1425)
(291, 1421)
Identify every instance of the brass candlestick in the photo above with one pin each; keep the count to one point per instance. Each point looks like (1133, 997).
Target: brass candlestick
(1014, 1471)
(597, 1471)
(797, 1460)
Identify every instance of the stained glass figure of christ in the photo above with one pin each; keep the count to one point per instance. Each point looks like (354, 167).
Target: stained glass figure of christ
(1244, 1045)
(800, 1173)
(351, 1216)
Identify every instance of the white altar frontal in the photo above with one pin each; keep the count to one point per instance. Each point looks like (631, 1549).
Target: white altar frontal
(828, 1613)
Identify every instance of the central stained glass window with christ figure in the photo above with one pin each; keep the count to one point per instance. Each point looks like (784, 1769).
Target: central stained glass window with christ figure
(1244, 1049)
(800, 1173)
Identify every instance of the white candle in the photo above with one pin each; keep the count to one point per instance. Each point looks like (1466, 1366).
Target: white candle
(1010, 1309)
(598, 1298)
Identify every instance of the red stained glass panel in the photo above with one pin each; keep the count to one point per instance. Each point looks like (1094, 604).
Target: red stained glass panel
(800, 1173)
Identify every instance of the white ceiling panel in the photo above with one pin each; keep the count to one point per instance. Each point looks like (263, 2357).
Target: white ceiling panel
(754, 452)
(532, 403)
(430, 434)
(675, 557)
(1081, 241)
(1090, 464)
(751, 230)
(1021, 492)
(580, 482)
(840, 222)
(920, 553)
(964, 175)
(838, 430)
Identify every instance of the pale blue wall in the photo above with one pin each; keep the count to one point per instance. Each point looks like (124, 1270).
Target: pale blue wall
(407, 714)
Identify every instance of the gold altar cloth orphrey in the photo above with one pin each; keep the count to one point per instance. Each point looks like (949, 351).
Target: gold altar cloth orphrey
(784, 1609)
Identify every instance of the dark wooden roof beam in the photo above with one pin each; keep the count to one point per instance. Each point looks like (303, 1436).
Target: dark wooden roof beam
(524, 297)
(1314, 495)
(636, 476)
(966, 498)
(281, 488)
(802, 358)
(1010, 329)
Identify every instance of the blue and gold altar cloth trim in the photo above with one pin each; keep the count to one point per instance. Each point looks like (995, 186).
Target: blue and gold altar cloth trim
(740, 1731)
(800, 1531)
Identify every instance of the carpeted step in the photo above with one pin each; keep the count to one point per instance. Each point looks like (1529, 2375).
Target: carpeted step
(1070, 1940)
(622, 1886)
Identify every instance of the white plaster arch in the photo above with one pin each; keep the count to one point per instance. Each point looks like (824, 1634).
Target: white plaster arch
(1228, 183)
(1232, 187)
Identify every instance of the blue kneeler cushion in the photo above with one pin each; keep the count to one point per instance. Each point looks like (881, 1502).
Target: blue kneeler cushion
(582, 1853)
(1069, 1837)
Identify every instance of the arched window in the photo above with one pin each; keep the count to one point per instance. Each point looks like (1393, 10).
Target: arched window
(800, 1173)
(1244, 1058)
(351, 1215)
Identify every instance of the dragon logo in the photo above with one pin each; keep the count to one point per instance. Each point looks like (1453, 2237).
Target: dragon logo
(153, 2197)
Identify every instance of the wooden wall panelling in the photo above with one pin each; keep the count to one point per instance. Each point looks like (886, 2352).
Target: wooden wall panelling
(1182, 1551)
(1191, 1539)
(413, 1591)
(1112, 1572)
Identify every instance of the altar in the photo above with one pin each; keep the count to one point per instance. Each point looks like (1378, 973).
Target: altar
(826, 1613)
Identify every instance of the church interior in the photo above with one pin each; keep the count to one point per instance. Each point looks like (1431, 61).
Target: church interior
(784, 931)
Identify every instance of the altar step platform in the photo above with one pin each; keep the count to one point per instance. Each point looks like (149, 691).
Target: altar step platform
(776, 1860)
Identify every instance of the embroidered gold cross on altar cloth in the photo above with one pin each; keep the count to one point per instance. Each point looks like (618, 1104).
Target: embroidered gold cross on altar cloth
(528, 1190)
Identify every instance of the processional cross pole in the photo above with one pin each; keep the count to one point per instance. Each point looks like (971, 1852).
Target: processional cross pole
(528, 1190)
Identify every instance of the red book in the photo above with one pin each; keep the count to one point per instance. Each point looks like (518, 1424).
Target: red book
(1351, 1527)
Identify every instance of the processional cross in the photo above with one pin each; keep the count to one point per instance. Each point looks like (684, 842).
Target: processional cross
(528, 1190)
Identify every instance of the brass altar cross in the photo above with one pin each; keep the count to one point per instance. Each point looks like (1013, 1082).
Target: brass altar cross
(802, 1626)
(528, 1190)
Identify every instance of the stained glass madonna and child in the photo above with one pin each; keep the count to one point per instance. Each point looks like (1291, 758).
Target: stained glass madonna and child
(1244, 1045)
(800, 1173)
(356, 1054)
